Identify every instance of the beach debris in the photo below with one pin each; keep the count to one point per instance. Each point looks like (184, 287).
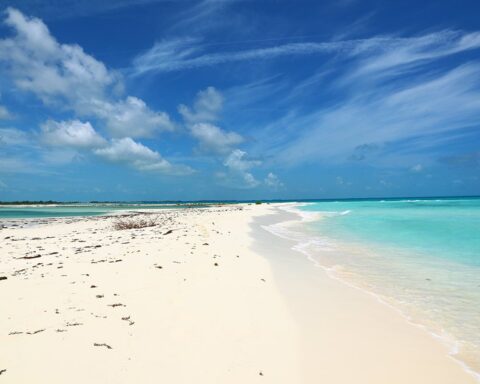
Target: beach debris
(127, 318)
(260, 373)
(93, 286)
(99, 261)
(99, 296)
(168, 232)
(216, 264)
(30, 257)
(60, 330)
(263, 280)
(205, 243)
(35, 332)
(73, 324)
(102, 345)
(15, 333)
(3, 277)
(116, 305)
(2, 371)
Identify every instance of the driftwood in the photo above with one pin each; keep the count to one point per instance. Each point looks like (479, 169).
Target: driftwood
(102, 345)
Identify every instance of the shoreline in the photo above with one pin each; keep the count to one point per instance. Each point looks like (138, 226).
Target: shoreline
(447, 340)
(206, 289)
(284, 215)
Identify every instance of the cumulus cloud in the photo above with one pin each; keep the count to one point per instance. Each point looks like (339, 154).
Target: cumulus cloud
(206, 107)
(72, 133)
(132, 117)
(63, 75)
(127, 151)
(273, 181)
(43, 66)
(205, 110)
(214, 139)
(218, 142)
(239, 166)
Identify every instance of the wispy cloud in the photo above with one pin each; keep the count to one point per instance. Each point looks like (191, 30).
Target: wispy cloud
(188, 53)
(417, 109)
(443, 104)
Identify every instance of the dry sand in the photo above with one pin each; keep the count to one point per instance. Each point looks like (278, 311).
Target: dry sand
(205, 303)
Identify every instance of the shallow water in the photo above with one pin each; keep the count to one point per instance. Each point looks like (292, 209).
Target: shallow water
(66, 210)
(421, 256)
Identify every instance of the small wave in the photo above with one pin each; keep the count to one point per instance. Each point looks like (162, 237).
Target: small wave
(304, 241)
(309, 245)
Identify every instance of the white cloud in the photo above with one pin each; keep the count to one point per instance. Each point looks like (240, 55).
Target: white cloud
(218, 142)
(206, 107)
(430, 110)
(129, 152)
(38, 63)
(239, 167)
(273, 181)
(13, 137)
(72, 133)
(188, 53)
(132, 117)
(237, 161)
(214, 139)
(4, 114)
(417, 168)
(64, 76)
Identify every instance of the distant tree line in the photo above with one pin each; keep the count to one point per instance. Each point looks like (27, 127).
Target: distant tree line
(28, 202)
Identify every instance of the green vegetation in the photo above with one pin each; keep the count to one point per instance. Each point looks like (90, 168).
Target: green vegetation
(27, 202)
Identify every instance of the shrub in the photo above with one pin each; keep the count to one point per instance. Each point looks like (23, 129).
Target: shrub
(132, 223)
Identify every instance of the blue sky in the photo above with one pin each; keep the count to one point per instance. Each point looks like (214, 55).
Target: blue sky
(152, 100)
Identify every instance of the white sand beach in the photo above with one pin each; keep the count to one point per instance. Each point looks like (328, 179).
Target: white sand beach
(205, 296)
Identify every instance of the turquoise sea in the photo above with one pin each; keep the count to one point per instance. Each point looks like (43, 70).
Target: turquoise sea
(420, 255)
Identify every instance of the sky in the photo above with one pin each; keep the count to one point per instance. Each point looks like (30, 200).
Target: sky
(230, 99)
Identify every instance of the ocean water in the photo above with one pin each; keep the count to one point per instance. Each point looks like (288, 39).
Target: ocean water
(67, 210)
(420, 256)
